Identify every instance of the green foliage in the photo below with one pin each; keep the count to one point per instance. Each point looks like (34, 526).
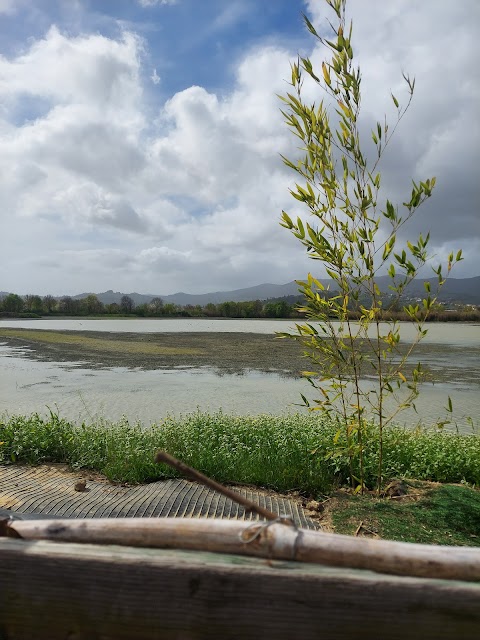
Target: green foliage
(282, 452)
(12, 303)
(126, 304)
(352, 231)
(443, 515)
(32, 306)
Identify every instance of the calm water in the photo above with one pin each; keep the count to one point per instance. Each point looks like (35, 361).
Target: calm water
(452, 333)
(80, 393)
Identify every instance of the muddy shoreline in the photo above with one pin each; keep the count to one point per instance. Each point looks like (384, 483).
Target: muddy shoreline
(225, 352)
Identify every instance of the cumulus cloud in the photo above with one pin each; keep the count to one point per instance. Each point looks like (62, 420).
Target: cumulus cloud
(436, 44)
(87, 138)
(190, 198)
(91, 69)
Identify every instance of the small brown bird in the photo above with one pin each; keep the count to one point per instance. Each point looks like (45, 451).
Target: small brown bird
(81, 485)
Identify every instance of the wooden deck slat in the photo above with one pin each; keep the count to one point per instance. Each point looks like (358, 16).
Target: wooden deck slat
(48, 490)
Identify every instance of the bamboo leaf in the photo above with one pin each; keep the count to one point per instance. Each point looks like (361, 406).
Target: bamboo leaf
(310, 26)
(326, 74)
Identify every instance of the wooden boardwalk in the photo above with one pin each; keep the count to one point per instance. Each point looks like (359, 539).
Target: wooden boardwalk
(50, 491)
(318, 585)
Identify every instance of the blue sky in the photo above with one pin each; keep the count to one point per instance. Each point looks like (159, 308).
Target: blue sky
(141, 138)
(206, 37)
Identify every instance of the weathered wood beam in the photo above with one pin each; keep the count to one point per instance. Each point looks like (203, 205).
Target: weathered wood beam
(267, 540)
(79, 591)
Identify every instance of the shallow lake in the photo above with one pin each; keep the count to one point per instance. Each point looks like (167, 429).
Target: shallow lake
(81, 393)
(453, 333)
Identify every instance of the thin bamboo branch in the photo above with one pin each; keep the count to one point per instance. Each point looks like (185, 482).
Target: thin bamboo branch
(267, 540)
(193, 474)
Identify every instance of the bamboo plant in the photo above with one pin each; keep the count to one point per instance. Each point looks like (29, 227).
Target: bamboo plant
(352, 230)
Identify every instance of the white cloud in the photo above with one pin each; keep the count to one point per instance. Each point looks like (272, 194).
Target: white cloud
(8, 7)
(234, 11)
(94, 206)
(92, 70)
(153, 3)
(192, 199)
(87, 140)
(163, 257)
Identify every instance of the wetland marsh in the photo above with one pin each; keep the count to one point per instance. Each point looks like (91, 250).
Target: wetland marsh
(145, 369)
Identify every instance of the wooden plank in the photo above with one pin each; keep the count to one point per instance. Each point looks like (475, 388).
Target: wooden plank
(50, 489)
(67, 590)
(266, 540)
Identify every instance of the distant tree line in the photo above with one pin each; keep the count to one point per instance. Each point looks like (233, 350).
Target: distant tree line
(33, 306)
(13, 305)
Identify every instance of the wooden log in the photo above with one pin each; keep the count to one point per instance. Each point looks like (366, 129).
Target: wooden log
(81, 591)
(266, 540)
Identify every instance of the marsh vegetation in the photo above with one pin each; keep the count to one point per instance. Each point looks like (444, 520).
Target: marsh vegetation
(281, 452)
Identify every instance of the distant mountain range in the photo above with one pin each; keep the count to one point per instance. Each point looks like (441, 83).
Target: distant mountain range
(259, 292)
(461, 290)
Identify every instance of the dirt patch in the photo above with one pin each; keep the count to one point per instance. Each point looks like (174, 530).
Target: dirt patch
(78, 474)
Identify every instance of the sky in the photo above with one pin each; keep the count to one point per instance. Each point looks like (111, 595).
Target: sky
(141, 139)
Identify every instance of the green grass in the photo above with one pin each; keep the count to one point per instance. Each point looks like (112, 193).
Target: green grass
(445, 514)
(281, 452)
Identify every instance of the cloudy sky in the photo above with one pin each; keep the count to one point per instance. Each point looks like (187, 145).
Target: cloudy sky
(140, 139)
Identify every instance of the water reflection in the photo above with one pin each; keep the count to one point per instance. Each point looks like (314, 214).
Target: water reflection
(452, 333)
(81, 393)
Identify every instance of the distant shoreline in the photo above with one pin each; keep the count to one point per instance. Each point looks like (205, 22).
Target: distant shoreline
(444, 316)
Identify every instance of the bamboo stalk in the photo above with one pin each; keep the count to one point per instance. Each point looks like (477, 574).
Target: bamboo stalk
(267, 540)
(197, 476)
